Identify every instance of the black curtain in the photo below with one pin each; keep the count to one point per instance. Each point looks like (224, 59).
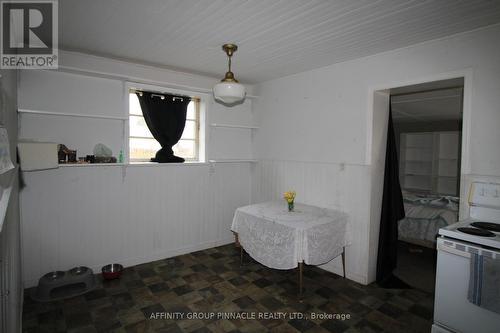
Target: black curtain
(166, 118)
(392, 212)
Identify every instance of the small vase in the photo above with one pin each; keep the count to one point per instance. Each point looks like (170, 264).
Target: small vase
(290, 206)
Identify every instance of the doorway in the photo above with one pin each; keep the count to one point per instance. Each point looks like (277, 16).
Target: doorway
(428, 130)
(427, 122)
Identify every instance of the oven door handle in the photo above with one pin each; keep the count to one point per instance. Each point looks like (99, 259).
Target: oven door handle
(453, 250)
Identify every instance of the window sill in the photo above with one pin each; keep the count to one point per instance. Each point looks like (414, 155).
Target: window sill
(154, 164)
(149, 164)
(82, 165)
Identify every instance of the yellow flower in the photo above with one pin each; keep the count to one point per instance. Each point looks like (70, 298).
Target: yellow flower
(289, 196)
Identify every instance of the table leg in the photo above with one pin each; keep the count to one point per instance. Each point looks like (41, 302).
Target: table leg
(343, 260)
(301, 268)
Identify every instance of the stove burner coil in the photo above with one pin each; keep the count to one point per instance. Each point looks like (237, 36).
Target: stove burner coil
(476, 232)
(487, 226)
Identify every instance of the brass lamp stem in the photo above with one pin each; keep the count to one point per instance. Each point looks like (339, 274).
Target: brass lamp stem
(229, 49)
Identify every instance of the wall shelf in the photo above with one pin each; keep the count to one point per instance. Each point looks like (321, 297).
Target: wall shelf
(236, 160)
(78, 115)
(233, 126)
(428, 161)
(425, 189)
(78, 165)
(418, 161)
(233, 161)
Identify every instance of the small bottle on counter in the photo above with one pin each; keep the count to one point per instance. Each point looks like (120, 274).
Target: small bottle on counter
(120, 157)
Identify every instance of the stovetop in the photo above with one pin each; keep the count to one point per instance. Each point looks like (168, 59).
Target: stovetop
(476, 231)
(483, 200)
(452, 231)
(486, 226)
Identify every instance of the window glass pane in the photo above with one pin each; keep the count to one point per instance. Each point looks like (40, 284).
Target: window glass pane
(134, 106)
(185, 148)
(143, 148)
(189, 130)
(191, 111)
(138, 127)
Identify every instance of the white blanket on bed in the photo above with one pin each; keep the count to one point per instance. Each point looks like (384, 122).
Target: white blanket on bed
(430, 213)
(424, 218)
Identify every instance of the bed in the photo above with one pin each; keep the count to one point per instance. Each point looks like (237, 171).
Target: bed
(425, 214)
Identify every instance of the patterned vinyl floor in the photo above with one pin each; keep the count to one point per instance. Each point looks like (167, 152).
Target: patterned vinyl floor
(194, 292)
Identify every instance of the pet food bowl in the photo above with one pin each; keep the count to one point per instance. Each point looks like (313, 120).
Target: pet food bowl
(79, 270)
(60, 285)
(56, 275)
(112, 271)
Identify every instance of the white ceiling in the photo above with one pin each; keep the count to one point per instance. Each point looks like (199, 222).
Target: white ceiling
(276, 38)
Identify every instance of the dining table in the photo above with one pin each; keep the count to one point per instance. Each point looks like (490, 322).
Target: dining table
(282, 239)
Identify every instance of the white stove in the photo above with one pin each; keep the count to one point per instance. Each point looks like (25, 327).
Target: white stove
(452, 231)
(453, 312)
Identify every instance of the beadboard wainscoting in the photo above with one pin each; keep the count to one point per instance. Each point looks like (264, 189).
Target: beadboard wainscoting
(11, 289)
(338, 186)
(131, 214)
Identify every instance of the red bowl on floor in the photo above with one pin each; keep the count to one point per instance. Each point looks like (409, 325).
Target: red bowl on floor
(112, 271)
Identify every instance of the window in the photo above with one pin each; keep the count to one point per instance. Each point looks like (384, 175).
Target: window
(142, 145)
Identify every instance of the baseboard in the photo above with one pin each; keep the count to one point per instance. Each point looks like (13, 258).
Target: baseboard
(336, 268)
(172, 253)
(350, 275)
(153, 257)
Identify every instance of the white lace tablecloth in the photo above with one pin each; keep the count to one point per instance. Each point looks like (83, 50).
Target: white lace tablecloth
(281, 239)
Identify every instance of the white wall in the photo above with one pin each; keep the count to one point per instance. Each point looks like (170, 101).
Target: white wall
(94, 215)
(334, 185)
(324, 117)
(98, 215)
(72, 93)
(85, 92)
(230, 143)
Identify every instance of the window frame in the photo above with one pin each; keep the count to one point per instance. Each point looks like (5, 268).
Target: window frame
(199, 110)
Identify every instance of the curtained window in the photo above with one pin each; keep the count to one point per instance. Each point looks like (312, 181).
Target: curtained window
(144, 146)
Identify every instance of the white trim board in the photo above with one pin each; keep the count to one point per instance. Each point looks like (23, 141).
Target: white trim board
(5, 196)
(465, 158)
(467, 74)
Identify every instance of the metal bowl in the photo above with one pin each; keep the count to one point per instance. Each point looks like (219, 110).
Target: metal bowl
(78, 270)
(112, 271)
(54, 275)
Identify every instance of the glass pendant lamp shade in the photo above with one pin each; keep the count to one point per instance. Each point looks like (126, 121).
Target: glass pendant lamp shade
(229, 91)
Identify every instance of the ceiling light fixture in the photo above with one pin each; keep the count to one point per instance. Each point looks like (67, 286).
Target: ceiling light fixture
(229, 91)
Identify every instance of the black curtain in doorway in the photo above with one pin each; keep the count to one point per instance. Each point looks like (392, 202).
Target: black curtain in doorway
(392, 212)
(166, 118)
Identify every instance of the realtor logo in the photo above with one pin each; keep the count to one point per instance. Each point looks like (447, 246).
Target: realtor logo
(29, 34)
